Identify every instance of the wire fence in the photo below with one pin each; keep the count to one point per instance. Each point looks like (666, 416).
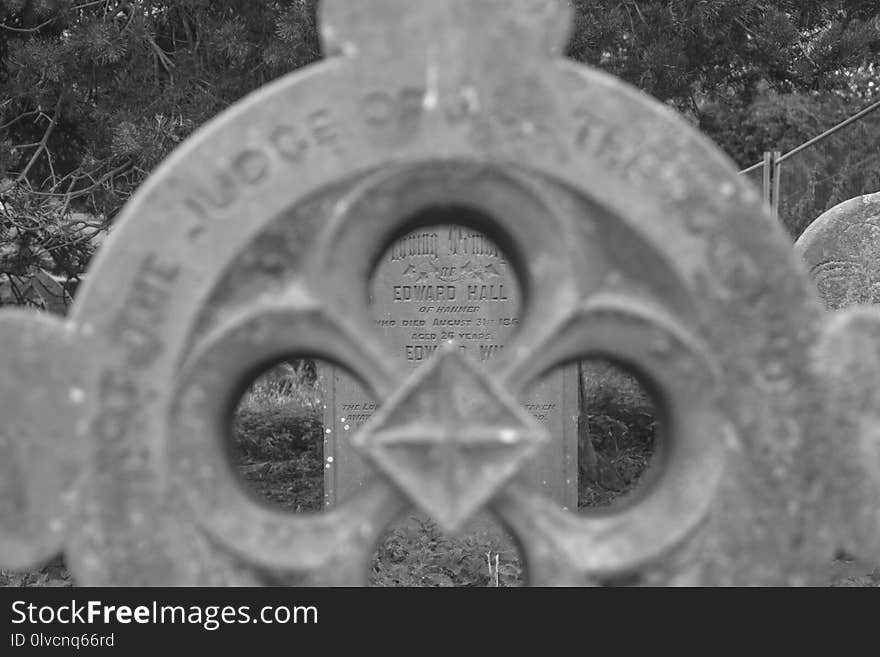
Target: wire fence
(832, 167)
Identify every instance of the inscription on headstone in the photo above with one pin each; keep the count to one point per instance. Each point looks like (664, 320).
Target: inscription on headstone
(842, 250)
(433, 286)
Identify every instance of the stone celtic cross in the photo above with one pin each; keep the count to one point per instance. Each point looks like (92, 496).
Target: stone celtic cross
(631, 236)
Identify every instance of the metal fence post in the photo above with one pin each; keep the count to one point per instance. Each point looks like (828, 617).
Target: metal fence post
(772, 176)
(777, 185)
(768, 178)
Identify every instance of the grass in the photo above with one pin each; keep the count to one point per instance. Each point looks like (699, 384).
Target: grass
(54, 574)
(417, 553)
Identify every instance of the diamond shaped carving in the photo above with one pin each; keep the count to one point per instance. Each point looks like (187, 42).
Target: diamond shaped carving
(450, 438)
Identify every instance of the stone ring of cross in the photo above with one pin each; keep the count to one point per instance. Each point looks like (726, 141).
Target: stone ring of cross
(631, 236)
(451, 435)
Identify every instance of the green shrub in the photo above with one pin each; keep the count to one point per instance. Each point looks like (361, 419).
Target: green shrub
(275, 433)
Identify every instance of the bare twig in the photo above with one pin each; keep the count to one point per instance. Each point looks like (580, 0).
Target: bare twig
(29, 29)
(88, 190)
(18, 118)
(43, 142)
(166, 62)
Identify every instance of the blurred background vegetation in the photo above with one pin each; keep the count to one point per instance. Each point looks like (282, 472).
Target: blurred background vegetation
(94, 93)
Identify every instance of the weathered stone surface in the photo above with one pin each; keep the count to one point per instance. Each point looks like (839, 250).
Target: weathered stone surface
(842, 250)
(41, 458)
(450, 438)
(848, 356)
(436, 285)
(633, 239)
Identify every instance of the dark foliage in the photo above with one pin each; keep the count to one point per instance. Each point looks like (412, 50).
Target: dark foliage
(275, 432)
(93, 94)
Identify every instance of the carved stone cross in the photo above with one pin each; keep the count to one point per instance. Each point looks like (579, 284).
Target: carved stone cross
(633, 238)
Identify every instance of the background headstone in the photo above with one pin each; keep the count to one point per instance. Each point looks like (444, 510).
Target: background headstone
(842, 250)
(434, 285)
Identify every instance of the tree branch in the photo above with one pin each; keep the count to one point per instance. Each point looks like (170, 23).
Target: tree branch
(88, 190)
(28, 29)
(167, 64)
(43, 142)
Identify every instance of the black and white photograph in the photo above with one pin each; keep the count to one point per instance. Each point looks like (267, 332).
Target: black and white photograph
(410, 294)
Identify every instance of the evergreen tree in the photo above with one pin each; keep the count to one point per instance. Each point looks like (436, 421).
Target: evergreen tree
(756, 75)
(94, 93)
